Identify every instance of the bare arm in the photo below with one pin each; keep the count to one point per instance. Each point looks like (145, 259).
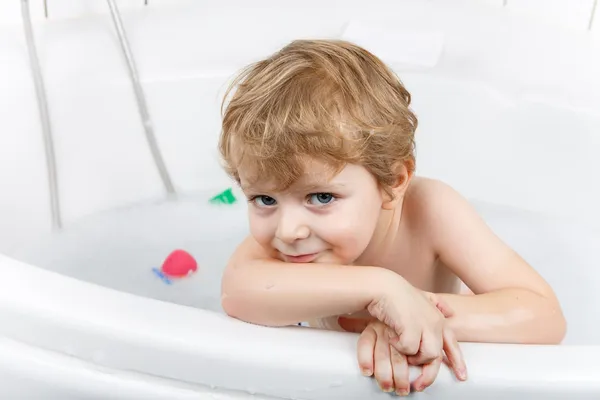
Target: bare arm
(259, 289)
(512, 302)
(506, 316)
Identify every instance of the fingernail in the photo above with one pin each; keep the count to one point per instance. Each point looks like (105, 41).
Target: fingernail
(387, 389)
(366, 372)
(402, 392)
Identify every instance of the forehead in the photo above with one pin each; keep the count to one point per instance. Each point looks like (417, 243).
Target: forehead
(309, 173)
(315, 175)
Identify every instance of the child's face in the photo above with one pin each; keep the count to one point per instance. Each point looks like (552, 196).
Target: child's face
(316, 220)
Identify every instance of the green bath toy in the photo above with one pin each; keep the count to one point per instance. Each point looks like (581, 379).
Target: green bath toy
(225, 197)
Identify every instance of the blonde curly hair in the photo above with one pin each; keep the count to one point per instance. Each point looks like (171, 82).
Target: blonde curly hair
(329, 100)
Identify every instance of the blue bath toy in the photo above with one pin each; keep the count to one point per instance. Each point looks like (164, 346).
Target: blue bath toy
(161, 275)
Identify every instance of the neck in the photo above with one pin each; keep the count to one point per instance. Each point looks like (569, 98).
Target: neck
(384, 237)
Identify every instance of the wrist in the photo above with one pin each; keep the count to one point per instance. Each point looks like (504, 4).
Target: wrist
(384, 283)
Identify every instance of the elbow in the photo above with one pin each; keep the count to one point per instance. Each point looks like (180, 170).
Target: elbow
(231, 295)
(549, 323)
(559, 329)
(247, 308)
(229, 306)
(242, 301)
(540, 322)
(557, 323)
(235, 307)
(232, 302)
(554, 327)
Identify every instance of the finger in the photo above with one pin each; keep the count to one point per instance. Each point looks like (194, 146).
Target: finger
(400, 372)
(444, 308)
(428, 375)
(356, 325)
(454, 354)
(383, 363)
(407, 343)
(430, 349)
(440, 304)
(365, 351)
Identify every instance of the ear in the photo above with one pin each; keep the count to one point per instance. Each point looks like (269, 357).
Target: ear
(404, 173)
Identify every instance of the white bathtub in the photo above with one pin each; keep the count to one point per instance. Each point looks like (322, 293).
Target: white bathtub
(509, 116)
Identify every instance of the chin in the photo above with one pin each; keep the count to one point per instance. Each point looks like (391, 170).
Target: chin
(333, 259)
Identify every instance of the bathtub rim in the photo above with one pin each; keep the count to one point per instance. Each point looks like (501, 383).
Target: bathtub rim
(116, 330)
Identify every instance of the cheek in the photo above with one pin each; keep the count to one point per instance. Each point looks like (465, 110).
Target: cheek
(351, 229)
(260, 228)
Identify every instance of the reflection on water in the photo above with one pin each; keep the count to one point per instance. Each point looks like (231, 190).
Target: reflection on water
(119, 248)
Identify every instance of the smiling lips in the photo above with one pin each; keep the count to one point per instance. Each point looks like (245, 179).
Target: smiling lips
(303, 258)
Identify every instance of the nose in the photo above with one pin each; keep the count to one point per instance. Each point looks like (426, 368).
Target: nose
(291, 226)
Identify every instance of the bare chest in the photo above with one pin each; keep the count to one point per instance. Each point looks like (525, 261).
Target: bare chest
(416, 262)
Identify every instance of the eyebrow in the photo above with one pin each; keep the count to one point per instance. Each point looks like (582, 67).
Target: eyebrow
(303, 187)
(323, 186)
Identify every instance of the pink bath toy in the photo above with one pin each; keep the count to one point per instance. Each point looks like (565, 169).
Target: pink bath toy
(179, 264)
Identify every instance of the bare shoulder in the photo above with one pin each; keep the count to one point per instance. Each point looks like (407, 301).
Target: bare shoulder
(464, 243)
(440, 214)
(427, 199)
(427, 189)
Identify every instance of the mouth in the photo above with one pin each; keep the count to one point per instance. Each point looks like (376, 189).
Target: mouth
(302, 258)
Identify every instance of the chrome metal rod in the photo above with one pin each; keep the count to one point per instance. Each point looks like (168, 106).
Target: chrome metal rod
(141, 100)
(42, 102)
(592, 15)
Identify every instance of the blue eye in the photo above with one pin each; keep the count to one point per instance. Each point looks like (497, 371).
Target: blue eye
(321, 198)
(264, 201)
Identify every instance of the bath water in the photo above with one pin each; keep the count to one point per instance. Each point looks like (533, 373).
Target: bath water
(119, 248)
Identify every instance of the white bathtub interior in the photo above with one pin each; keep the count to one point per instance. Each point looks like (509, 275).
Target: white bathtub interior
(119, 249)
(508, 115)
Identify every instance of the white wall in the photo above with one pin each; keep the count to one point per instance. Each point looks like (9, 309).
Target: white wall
(571, 14)
(501, 81)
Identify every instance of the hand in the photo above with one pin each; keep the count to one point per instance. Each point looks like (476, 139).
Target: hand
(440, 304)
(377, 357)
(417, 323)
(449, 344)
(372, 356)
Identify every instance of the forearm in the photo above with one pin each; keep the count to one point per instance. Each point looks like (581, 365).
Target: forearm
(506, 316)
(275, 293)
